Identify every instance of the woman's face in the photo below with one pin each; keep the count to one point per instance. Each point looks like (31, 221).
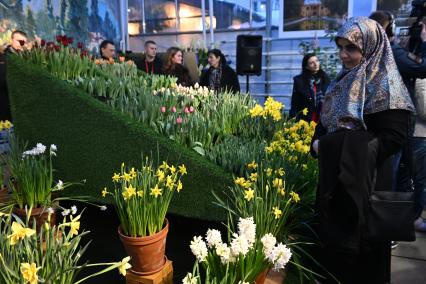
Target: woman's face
(177, 58)
(213, 60)
(349, 53)
(313, 64)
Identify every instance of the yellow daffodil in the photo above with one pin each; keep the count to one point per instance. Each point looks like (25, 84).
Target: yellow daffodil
(104, 192)
(268, 172)
(164, 166)
(277, 212)
(277, 183)
(249, 194)
(19, 233)
(240, 181)
(281, 191)
(124, 265)
(253, 177)
(29, 272)
(182, 170)
(305, 111)
(257, 110)
(169, 182)
(295, 196)
(304, 167)
(172, 169)
(140, 193)
(126, 176)
(280, 172)
(75, 225)
(179, 186)
(252, 165)
(116, 177)
(155, 191)
(132, 173)
(161, 175)
(128, 192)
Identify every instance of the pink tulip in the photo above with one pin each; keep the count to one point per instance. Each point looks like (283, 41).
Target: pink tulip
(191, 109)
(163, 109)
(186, 110)
(173, 109)
(179, 120)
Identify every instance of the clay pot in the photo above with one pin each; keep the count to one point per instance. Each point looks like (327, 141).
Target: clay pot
(262, 277)
(38, 214)
(147, 253)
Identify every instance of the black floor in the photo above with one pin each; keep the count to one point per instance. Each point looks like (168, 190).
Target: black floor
(106, 246)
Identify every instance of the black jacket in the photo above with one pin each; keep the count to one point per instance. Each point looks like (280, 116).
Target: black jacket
(5, 113)
(408, 68)
(228, 81)
(154, 67)
(302, 97)
(182, 75)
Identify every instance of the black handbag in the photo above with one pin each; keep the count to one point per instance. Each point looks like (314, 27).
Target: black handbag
(391, 216)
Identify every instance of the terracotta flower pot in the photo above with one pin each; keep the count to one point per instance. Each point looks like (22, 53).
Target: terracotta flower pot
(147, 253)
(262, 276)
(39, 214)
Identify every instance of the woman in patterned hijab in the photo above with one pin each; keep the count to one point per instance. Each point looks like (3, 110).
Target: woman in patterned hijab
(374, 85)
(364, 121)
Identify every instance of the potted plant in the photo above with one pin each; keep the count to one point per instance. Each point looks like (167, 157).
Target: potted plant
(141, 198)
(31, 180)
(51, 256)
(242, 261)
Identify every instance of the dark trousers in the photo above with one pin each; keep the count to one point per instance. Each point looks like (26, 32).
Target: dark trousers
(371, 265)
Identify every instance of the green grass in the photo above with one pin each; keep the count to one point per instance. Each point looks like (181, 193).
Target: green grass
(93, 140)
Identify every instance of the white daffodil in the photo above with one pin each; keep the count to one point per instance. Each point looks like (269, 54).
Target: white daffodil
(213, 238)
(247, 228)
(199, 248)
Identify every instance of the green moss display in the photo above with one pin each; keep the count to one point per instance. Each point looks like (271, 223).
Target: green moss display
(93, 140)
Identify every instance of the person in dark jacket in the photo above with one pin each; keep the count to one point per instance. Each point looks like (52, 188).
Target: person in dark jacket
(173, 66)
(409, 163)
(363, 122)
(309, 89)
(219, 77)
(18, 44)
(107, 50)
(151, 64)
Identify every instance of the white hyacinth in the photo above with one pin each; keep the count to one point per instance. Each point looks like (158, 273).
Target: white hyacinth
(189, 279)
(224, 252)
(103, 208)
(247, 228)
(60, 185)
(239, 245)
(268, 242)
(73, 210)
(279, 256)
(41, 148)
(53, 149)
(66, 212)
(37, 150)
(213, 238)
(199, 248)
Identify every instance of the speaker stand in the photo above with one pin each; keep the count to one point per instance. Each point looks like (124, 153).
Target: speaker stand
(247, 84)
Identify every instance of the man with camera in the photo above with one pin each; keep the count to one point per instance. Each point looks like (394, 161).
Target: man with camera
(411, 63)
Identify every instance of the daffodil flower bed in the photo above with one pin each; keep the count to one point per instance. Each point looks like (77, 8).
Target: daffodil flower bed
(142, 196)
(239, 262)
(52, 256)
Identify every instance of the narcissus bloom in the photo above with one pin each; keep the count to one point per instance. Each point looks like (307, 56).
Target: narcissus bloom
(29, 272)
(19, 233)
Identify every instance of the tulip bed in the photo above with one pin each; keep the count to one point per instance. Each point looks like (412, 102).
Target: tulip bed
(95, 139)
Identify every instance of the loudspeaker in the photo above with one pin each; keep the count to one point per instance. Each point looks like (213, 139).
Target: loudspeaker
(249, 55)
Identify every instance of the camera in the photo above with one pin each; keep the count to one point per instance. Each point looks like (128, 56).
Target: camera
(418, 11)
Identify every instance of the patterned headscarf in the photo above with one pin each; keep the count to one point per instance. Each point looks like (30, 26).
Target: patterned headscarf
(373, 86)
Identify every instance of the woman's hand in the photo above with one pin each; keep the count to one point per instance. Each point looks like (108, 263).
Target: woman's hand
(315, 146)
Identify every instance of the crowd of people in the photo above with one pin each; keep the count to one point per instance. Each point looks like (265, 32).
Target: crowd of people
(370, 134)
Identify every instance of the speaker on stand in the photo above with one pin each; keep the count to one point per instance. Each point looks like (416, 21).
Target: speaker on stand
(249, 56)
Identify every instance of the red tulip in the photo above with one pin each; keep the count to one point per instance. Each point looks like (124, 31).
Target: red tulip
(191, 109)
(186, 110)
(179, 120)
(80, 45)
(70, 40)
(65, 41)
(43, 42)
(163, 109)
(57, 47)
(173, 109)
(58, 38)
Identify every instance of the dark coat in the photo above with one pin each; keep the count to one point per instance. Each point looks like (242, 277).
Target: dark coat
(348, 161)
(228, 81)
(182, 75)
(302, 97)
(5, 113)
(154, 67)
